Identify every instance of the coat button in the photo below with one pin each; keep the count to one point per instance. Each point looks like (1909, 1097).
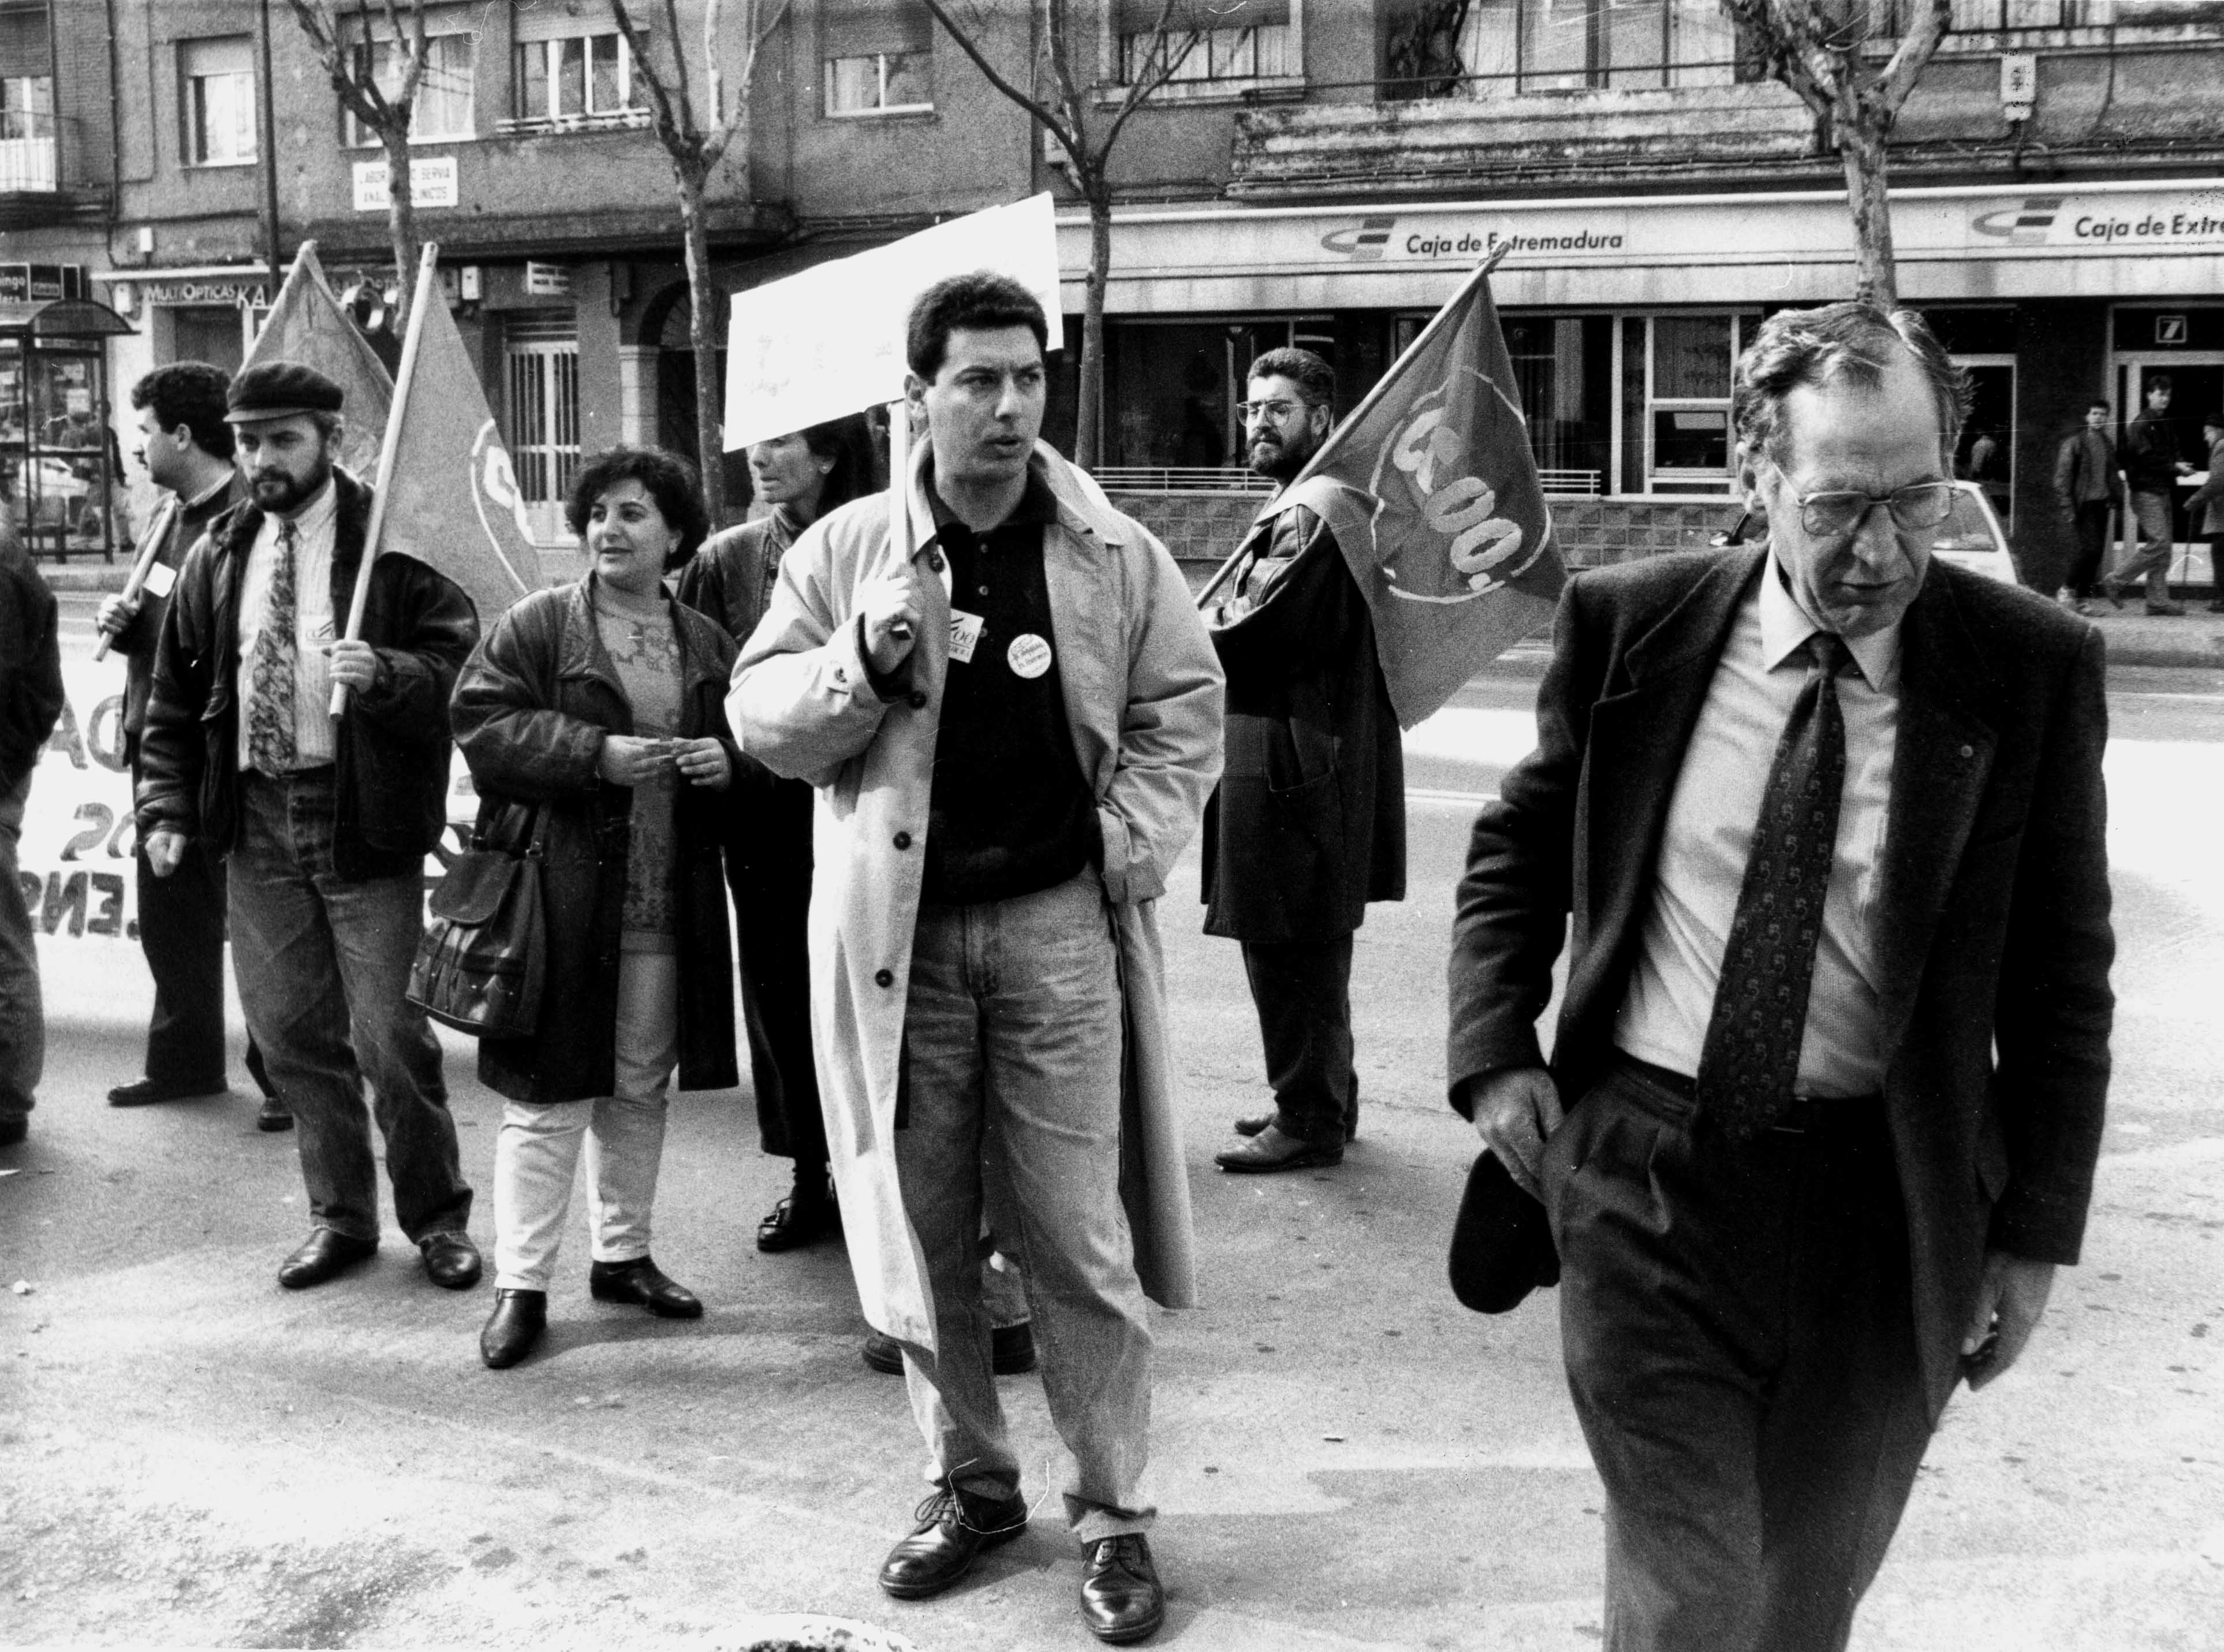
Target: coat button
(841, 674)
(884, 977)
(903, 840)
(918, 700)
(934, 561)
(1968, 751)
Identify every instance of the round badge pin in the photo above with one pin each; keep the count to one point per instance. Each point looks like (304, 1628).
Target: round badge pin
(1028, 656)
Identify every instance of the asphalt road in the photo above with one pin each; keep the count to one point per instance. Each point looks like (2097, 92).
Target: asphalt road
(1342, 1457)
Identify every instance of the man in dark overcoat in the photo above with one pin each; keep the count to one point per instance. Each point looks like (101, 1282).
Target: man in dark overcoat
(1309, 823)
(1823, 1105)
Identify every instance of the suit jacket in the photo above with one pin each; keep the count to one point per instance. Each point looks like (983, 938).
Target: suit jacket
(1992, 908)
(136, 641)
(1309, 822)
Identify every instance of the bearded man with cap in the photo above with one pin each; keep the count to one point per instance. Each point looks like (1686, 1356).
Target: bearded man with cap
(326, 822)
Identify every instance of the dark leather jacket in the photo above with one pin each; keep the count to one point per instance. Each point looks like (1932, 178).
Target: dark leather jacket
(30, 663)
(393, 745)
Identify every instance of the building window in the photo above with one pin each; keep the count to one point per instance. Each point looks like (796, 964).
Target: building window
(541, 361)
(1232, 39)
(26, 131)
(444, 105)
(1563, 366)
(1576, 45)
(216, 96)
(575, 83)
(1687, 428)
(880, 59)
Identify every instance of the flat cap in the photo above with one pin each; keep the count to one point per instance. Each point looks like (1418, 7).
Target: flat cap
(279, 390)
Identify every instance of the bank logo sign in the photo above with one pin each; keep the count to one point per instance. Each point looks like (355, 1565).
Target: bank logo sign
(1364, 244)
(1376, 238)
(2076, 222)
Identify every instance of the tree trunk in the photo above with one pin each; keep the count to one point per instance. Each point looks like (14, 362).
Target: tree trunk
(1861, 147)
(702, 295)
(401, 223)
(1088, 436)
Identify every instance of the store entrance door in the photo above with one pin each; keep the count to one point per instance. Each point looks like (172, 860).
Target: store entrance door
(2196, 382)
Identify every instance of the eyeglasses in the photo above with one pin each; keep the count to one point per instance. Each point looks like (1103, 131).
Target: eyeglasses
(1832, 516)
(1278, 410)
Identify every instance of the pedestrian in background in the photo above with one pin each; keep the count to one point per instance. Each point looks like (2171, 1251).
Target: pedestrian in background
(326, 822)
(2151, 465)
(593, 717)
(2204, 509)
(30, 701)
(802, 477)
(187, 447)
(2085, 482)
(1019, 725)
(1308, 825)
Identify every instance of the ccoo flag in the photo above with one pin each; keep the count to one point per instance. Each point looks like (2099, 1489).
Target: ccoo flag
(451, 498)
(306, 325)
(1433, 495)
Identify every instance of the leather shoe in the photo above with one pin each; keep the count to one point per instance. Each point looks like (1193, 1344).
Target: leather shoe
(141, 1093)
(1011, 1350)
(514, 1329)
(641, 1282)
(1121, 1599)
(1253, 1123)
(327, 1254)
(801, 1218)
(955, 1529)
(275, 1115)
(14, 1128)
(452, 1261)
(1272, 1149)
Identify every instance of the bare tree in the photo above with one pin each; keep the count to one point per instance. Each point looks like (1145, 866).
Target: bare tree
(1818, 48)
(1059, 104)
(351, 61)
(696, 144)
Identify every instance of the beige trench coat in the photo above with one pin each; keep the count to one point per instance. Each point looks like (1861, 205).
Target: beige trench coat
(1143, 701)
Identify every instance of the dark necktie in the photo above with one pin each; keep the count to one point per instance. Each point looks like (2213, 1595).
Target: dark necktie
(1751, 1059)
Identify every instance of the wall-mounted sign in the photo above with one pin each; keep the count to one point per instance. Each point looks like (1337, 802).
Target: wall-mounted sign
(546, 280)
(431, 183)
(238, 290)
(2170, 329)
(36, 283)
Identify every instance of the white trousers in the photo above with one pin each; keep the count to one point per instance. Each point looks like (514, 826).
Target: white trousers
(536, 1156)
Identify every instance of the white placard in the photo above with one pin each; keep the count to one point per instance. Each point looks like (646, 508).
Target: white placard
(830, 341)
(431, 183)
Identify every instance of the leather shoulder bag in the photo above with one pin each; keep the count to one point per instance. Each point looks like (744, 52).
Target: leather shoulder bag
(484, 956)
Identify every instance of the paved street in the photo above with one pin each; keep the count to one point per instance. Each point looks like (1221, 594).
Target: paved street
(1343, 1456)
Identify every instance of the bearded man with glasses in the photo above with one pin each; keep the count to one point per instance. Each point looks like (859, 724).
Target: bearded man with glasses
(1824, 1100)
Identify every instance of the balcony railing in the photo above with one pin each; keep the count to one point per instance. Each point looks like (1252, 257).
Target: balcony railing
(30, 153)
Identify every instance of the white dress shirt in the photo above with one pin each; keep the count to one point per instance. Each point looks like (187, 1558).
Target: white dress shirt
(1709, 838)
(313, 630)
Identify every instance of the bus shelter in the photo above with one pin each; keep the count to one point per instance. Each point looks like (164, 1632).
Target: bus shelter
(61, 468)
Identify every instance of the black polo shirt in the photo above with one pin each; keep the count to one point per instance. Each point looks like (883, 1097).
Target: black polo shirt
(1011, 813)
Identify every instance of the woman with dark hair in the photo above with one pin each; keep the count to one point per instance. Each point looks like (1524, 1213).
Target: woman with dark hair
(802, 477)
(592, 718)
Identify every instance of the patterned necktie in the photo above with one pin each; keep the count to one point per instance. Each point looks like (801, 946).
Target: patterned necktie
(273, 668)
(1751, 1060)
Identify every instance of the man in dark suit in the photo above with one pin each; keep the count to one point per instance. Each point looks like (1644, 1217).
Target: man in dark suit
(1834, 1047)
(1309, 823)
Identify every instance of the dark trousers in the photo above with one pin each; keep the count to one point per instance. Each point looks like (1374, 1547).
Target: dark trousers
(2091, 526)
(1303, 991)
(1740, 1340)
(768, 869)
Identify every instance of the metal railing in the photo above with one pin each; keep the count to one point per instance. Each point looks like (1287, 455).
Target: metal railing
(1181, 478)
(1571, 484)
(30, 152)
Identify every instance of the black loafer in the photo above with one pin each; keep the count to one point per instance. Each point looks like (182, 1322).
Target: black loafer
(1121, 1599)
(143, 1092)
(14, 1128)
(1011, 1350)
(1257, 1122)
(797, 1220)
(327, 1254)
(514, 1329)
(955, 1529)
(641, 1282)
(275, 1115)
(452, 1261)
(1272, 1149)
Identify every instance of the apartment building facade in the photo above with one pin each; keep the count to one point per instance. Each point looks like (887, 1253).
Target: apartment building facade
(1318, 171)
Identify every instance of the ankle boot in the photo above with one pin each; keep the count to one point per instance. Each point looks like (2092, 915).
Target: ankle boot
(514, 1329)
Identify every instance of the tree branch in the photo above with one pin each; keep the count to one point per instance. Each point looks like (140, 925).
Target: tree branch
(1913, 55)
(1170, 64)
(667, 127)
(1057, 128)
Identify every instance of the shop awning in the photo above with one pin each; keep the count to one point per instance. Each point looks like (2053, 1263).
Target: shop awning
(63, 318)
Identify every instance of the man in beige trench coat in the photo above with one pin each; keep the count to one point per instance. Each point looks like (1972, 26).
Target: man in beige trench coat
(1012, 734)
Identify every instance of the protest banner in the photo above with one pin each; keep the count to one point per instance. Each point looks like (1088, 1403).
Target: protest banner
(830, 341)
(306, 325)
(1433, 497)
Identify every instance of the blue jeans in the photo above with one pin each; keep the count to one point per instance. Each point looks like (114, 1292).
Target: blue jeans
(1012, 1042)
(323, 961)
(2150, 561)
(23, 1012)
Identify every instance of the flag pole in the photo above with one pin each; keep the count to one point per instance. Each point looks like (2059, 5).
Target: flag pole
(427, 292)
(158, 531)
(900, 492)
(1427, 335)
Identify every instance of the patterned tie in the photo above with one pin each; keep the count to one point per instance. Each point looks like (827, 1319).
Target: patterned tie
(273, 668)
(1751, 1059)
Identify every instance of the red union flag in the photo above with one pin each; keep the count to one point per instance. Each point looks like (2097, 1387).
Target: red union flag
(1433, 497)
(306, 325)
(449, 497)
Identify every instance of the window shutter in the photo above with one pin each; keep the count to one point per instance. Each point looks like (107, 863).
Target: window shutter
(232, 54)
(1136, 17)
(862, 27)
(547, 20)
